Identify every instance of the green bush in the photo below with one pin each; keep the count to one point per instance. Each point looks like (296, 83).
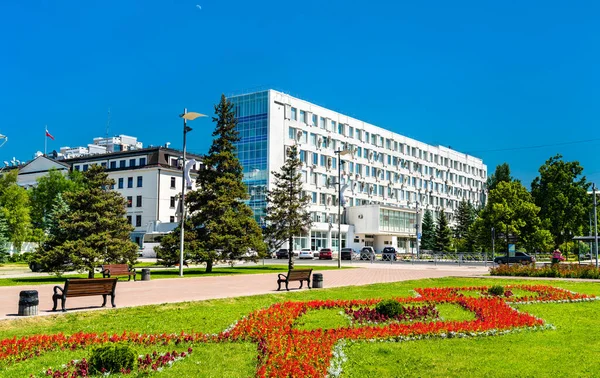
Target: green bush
(112, 358)
(496, 290)
(389, 308)
(558, 270)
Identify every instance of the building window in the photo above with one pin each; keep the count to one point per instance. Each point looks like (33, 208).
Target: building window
(314, 120)
(122, 164)
(138, 221)
(140, 181)
(172, 203)
(172, 219)
(341, 128)
(103, 164)
(85, 168)
(129, 201)
(350, 132)
(132, 162)
(130, 182)
(173, 182)
(303, 116)
(142, 162)
(138, 201)
(292, 133)
(322, 123)
(294, 114)
(121, 183)
(129, 219)
(315, 158)
(113, 165)
(314, 197)
(76, 168)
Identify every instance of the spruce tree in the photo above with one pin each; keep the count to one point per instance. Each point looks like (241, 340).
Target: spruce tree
(443, 234)
(428, 232)
(223, 224)
(94, 230)
(287, 207)
(465, 216)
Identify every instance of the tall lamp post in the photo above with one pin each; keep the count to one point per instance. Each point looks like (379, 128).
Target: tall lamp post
(186, 117)
(595, 225)
(340, 153)
(417, 226)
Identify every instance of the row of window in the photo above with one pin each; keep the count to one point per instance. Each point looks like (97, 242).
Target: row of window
(365, 170)
(138, 201)
(322, 141)
(134, 162)
(121, 182)
(138, 220)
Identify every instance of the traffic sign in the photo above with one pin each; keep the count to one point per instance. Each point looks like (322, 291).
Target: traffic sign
(419, 236)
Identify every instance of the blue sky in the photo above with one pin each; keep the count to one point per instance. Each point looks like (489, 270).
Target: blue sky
(480, 76)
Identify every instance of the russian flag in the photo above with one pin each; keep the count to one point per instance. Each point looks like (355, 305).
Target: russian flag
(49, 135)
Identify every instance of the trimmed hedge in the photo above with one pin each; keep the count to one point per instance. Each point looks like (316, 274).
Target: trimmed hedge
(557, 270)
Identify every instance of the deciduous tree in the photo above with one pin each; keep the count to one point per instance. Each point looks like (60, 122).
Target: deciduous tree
(14, 203)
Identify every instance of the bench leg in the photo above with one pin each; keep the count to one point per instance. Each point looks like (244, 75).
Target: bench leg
(129, 278)
(62, 302)
(103, 300)
(112, 300)
(286, 286)
(301, 283)
(308, 283)
(55, 300)
(278, 285)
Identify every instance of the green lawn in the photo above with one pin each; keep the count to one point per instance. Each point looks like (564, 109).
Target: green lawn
(569, 350)
(45, 278)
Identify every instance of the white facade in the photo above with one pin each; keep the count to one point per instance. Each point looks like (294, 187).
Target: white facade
(384, 168)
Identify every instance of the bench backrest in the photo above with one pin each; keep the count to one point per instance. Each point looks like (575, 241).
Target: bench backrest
(115, 269)
(296, 274)
(79, 287)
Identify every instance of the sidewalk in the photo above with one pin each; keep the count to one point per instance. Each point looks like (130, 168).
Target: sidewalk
(172, 290)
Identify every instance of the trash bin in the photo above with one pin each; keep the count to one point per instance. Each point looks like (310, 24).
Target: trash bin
(317, 280)
(145, 274)
(28, 303)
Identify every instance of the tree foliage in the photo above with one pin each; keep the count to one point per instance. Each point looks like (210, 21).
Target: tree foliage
(224, 225)
(443, 233)
(560, 191)
(502, 174)
(3, 238)
(287, 207)
(44, 194)
(510, 210)
(428, 232)
(465, 216)
(92, 231)
(14, 204)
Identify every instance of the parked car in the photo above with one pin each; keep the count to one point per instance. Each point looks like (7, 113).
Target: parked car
(367, 253)
(389, 254)
(519, 257)
(349, 254)
(282, 254)
(325, 254)
(305, 253)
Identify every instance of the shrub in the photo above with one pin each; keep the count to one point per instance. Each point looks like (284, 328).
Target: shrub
(389, 308)
(496, 290)
(562, 270)
(112, 359)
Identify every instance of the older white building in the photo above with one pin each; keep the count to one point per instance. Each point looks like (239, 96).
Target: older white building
(389, 176)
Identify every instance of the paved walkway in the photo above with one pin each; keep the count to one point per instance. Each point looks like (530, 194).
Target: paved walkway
(172, 290)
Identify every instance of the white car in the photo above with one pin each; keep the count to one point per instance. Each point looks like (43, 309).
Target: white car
(305, 253)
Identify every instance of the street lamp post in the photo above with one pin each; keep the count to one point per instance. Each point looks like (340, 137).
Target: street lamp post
(340, 153)
(417, 227)
(186, 117)
(595, 225)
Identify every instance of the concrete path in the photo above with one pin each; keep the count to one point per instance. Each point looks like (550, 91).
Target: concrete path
(172, 290)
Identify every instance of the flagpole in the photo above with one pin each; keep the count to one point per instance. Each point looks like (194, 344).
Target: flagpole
(45, 140)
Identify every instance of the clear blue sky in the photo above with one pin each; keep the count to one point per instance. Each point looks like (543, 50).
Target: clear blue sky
(480, 76)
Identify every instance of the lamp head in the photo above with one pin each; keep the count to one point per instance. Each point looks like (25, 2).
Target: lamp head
(191, 116)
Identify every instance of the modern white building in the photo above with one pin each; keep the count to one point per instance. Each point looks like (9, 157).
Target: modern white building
(391, 178)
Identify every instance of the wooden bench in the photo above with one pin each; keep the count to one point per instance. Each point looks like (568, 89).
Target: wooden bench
(294, 275)
(118, 270)
(84, 287)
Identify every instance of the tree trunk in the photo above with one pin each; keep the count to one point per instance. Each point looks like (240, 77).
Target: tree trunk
(290, 253)
(209, 266)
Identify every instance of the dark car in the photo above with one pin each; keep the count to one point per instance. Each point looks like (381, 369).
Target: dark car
(348, 253)
(518, 258)
(367, 253)
(389, 254)
(325, 254)
(282, 254)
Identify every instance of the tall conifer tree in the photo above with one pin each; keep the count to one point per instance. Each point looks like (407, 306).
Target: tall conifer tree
(287, 207)
(428, 233)
(443, 234)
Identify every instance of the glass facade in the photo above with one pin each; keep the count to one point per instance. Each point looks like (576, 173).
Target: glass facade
(251, 111)
(396, 221)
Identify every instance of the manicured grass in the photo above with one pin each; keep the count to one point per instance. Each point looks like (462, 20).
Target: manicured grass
(164, 273)
(569, 350)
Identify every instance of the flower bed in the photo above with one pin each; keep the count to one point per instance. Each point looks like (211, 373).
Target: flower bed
(557, 270)
(284, 350)
(409, 314)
